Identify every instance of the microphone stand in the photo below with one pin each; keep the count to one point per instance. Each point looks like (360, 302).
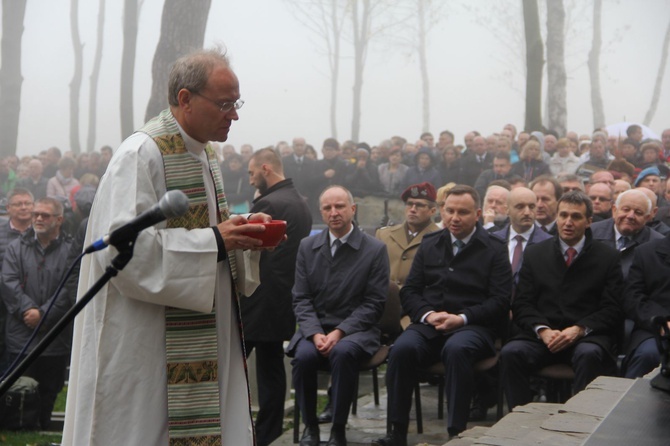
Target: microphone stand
(119, 262)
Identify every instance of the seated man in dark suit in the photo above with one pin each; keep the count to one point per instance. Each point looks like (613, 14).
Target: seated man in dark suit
(341, 284)
(626, 230)
(647, 294)
(566, 306)
(457, 295)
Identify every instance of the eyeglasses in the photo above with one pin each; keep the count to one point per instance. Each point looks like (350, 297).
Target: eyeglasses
(411, 204)
(603, 199)
(43, 215)
(224, 107)
(22, 203)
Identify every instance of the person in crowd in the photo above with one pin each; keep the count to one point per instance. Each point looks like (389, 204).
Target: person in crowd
(8, 178)
(456, 295)
(601, 196)
(626, 229)
(530, 165)
(597, 157)
(501, 171)
(475, 161)
(564, 160)
(647, 295)
(409, 151)
(630, 151)
(403, 240)
(246, 150)
(236, 184)
(441, 195)
(32, 268)
(36, 183)
(362, 177)
(106, 153)
(424, 170)
(449, 167)
(600, 176)
(650, 153)
(298, 167)
(548, 191)
(341, 284)
(550, 144)
(619, 187)
(328, 171)
(623, 169)
(570, 182)
(651, 179)
(310, 152)
(178, 292)
(445, 139)
(494, 212)
(267, 314)
(61, 184)
(566, 307)
(655, 222)
(392, 173)
(20, 204)
(50, 160)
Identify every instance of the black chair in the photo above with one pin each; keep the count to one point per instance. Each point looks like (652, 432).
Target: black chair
(389, 325)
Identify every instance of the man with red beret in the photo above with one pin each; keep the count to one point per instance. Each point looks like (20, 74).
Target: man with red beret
(402, 241)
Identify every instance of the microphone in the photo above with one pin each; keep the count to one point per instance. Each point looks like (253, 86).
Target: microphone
(173, 204)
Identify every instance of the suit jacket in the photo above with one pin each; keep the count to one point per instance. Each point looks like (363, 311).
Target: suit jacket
(267, 314)
(603, 231)
(586, 293)
(347, 291)
(401, 252)
(470, 168)
(538, 235)
(477, 282)
(302, 175)
(647, 291)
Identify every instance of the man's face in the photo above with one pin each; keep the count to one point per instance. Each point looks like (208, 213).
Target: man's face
(572, 222)
(423, 161)
(461, 214)
(45, 221)
(523, 138)
(468, 138)
(429, 140)
(35, 169)
(631, 214)
(106, 156)
(256, 178)
(521, 209)
(569, 186)
(649, 156)
(20, 209)
(636, 134)
(418, 212)
(651, 182)
(479, 145)
(445, 140)
(496, 200)
(501, 166)
(665, 139)
(628, 151)
(246, 151)
(330, 153)
(550, 143)
(492, 144)
(619, 187)
(336, 210)
(597, 149)
(545, 212)
(206, 121)
(410, 149)
(601, 196)
(299, 145)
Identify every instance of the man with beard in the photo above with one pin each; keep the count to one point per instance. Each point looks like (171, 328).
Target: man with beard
(267, 315)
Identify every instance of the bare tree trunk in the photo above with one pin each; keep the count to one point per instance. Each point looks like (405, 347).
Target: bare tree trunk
(534, 64)
(423, 64)
(556, 77)
(13, 13)
(659, 79)
(95, 75)
(361, 28)
(334, 58)
(594, 67)
(75, 84)
(182, 30)
(130, 14)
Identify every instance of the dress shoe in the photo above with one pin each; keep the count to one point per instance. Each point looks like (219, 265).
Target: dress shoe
(327, 415)
(310, 436)
(392, 439)
(478, 410)
(337, 438)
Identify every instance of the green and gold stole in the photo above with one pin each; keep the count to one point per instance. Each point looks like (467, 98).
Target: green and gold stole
(194, 413)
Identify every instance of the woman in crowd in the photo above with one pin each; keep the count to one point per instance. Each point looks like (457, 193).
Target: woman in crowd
(392, 174)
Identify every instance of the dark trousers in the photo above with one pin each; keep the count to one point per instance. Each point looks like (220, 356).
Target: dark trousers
(271, 381)
(343, 362)
(49, 372)
(520, 358)
(642, 360)
(458, 352)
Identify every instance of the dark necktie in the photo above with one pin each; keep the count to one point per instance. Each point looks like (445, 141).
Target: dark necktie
(518, 253)
(544, 228)
(336, 245)
(623, 243)
(571, 253)
(459, 245)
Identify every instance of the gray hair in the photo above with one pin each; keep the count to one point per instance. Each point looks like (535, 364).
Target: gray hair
(191, 72)
(636, 192)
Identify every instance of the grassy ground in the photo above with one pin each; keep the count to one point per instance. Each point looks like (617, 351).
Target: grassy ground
(32, 438)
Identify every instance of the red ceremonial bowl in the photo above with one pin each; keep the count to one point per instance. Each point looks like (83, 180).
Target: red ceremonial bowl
(273, 234)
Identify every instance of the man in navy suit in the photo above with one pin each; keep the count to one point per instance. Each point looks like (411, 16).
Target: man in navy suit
(341, 284)
(456, 295)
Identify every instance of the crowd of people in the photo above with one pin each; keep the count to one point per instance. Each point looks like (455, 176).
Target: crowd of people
(532, 246)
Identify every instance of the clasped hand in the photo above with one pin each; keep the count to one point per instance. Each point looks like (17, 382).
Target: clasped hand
(325, 343)
(557, 340)
(443, 321)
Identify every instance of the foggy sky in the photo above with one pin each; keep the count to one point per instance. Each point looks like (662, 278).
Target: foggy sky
(284, 78)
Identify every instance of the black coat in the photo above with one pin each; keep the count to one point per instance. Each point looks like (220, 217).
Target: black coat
(477, 282)
(301, 174)
(267, 315)
(647, 291)
(470, 168)
(586, 293)
(603, 231)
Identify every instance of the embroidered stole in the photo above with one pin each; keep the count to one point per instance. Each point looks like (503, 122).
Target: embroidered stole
(194, 413)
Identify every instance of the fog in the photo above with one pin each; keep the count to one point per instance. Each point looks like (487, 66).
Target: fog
(476, 82)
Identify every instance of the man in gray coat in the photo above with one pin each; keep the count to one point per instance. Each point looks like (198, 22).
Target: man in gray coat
(341, 284)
